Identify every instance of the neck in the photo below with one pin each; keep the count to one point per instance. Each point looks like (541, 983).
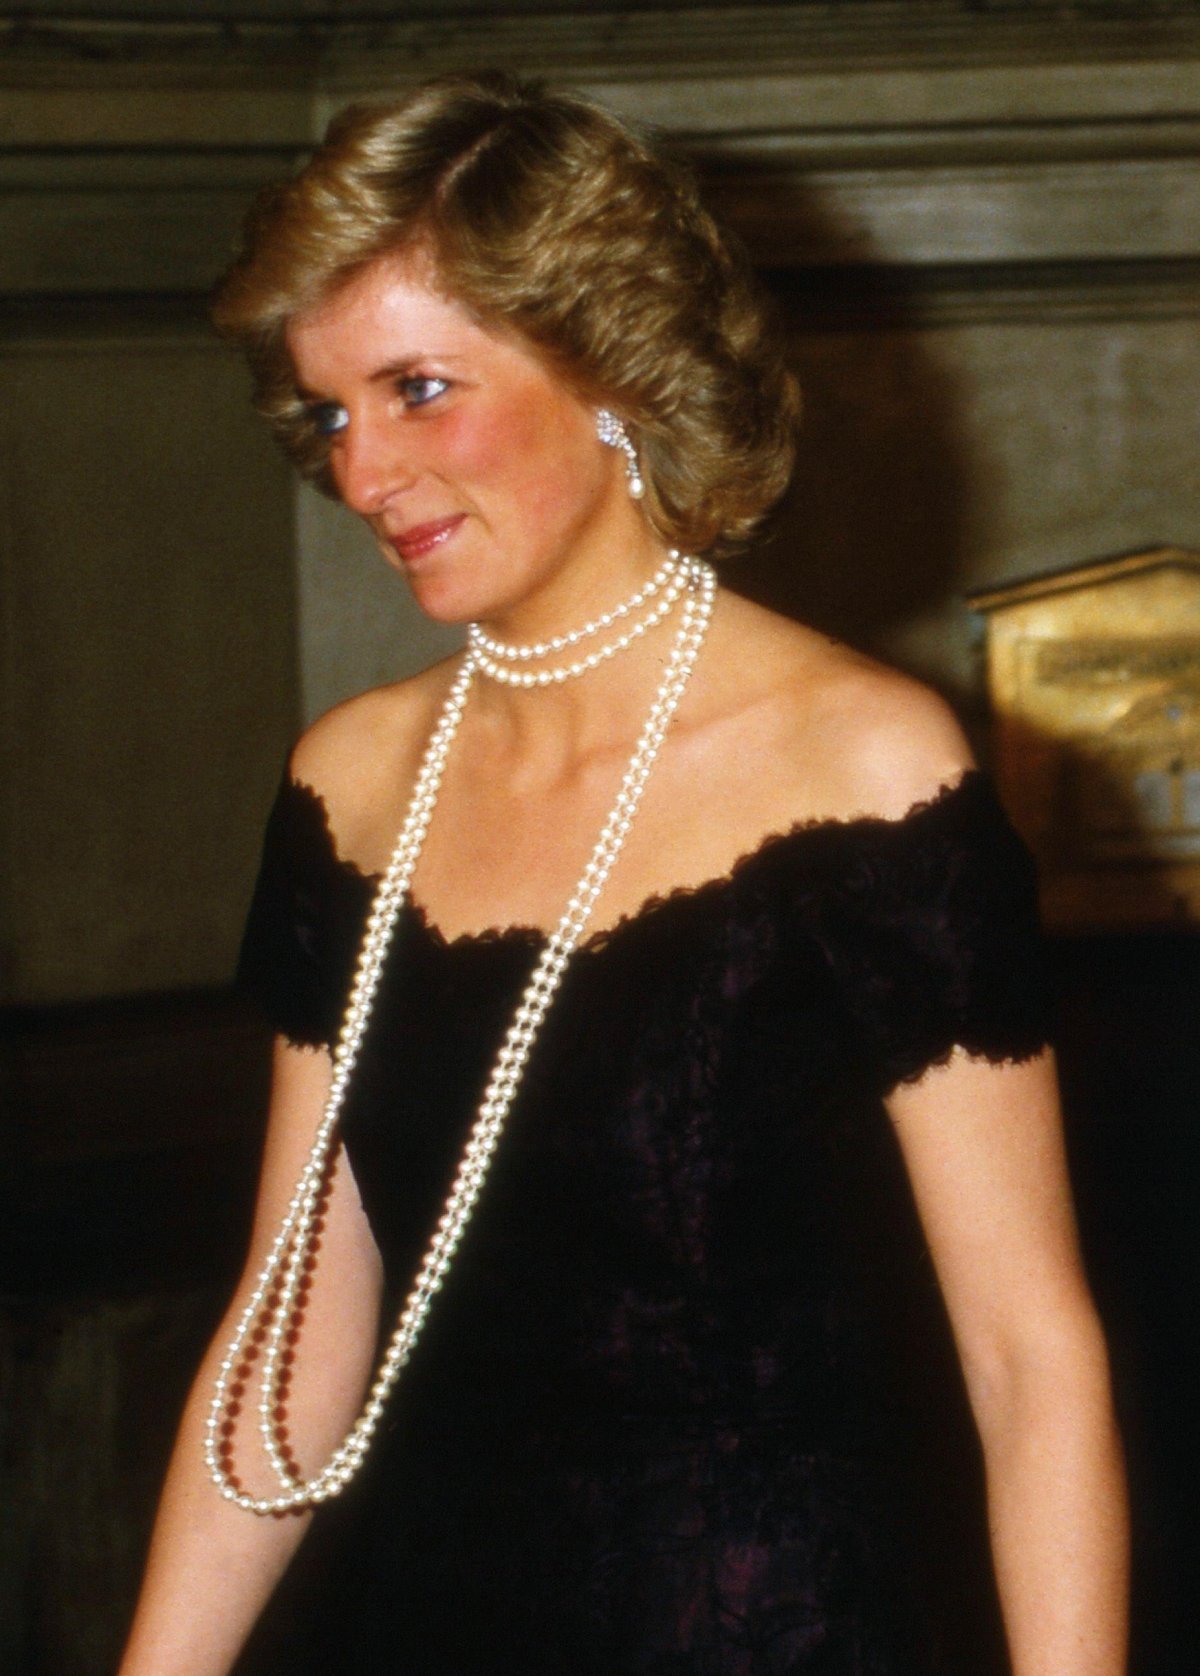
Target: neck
(584, 687)
(603, 706)
(603, 569)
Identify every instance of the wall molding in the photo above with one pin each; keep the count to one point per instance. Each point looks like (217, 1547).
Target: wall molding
(915, 134)
(893, 62)
(540, 38)
(908, 298)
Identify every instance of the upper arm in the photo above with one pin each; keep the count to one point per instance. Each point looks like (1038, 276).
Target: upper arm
(339, 1325)
(981, 1136)
(983, 1145)
(304, 926)
(297, 960)
(300, 1082)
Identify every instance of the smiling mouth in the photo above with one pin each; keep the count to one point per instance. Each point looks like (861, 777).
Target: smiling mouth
(419, 539)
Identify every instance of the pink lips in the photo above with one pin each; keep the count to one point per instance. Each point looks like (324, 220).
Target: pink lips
(419, 539)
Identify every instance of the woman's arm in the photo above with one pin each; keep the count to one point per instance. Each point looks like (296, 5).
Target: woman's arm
(984, 1150)
(213, 1566)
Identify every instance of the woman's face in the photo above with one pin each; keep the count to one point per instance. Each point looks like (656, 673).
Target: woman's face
(478, 471)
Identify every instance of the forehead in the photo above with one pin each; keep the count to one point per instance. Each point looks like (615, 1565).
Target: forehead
(392, 311)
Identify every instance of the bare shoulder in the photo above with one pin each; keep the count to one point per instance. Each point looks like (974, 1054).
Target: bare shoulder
(867, 739)
(362, 756)
(889, 742)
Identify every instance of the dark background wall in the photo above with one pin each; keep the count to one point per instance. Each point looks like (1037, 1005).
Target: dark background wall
(982, 223)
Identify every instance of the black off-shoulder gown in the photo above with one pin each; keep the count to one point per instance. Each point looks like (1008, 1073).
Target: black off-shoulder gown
(687, 1405)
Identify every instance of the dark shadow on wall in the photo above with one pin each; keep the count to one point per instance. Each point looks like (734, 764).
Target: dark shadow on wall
(870, 531)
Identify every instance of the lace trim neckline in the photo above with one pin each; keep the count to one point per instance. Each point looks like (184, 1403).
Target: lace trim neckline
(533, 937)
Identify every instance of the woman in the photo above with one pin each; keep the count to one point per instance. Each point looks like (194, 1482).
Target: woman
(667, 1393)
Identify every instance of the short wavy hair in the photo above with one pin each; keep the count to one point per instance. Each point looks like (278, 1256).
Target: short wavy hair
(546, 215)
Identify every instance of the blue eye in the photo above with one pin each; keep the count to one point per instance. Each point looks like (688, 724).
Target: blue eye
(417, 391)
(328, 418)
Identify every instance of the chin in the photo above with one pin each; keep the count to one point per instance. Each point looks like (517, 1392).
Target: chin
(441, 600)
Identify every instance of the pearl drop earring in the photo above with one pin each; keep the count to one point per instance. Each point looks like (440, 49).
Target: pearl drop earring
(612, 432)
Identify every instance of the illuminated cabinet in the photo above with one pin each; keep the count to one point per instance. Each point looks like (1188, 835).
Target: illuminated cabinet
(1094, 677)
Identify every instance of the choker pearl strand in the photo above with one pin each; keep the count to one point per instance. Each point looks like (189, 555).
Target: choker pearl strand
(544, 648)
(267, 1324)
(670, 575)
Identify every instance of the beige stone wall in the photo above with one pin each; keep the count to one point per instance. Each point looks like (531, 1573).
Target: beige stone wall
(148, 658)
(985, 229)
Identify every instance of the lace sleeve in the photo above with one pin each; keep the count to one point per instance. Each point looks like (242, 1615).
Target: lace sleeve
(934, 938)
(304, 922)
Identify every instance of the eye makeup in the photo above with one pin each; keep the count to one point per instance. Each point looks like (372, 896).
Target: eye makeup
(417, 389)
(327, 418)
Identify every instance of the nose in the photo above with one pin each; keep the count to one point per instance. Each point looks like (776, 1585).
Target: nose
(369, 464)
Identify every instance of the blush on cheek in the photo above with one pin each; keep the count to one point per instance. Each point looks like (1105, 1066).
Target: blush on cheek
(484, 448)
(486, 438)
(525, 447)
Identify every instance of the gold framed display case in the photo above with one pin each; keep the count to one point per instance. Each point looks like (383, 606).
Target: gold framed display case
(1094, 680)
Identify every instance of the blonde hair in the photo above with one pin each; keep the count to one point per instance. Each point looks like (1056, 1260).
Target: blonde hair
(545, 214)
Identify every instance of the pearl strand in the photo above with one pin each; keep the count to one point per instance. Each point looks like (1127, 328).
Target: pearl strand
(293, 1240)
(510, 677)
(275, 1296)
(671, 567)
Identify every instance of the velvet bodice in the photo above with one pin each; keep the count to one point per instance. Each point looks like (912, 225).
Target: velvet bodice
(680, 1403)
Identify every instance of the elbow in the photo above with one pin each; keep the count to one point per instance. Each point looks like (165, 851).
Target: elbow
(1040, 1374)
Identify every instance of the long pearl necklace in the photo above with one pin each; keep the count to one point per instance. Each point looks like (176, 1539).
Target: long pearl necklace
(267, 1327)
(496, 657)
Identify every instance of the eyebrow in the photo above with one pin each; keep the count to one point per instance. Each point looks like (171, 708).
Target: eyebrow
(382, 375)
(394, 369)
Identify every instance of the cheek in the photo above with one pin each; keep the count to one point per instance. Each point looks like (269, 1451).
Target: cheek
(530, 449)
